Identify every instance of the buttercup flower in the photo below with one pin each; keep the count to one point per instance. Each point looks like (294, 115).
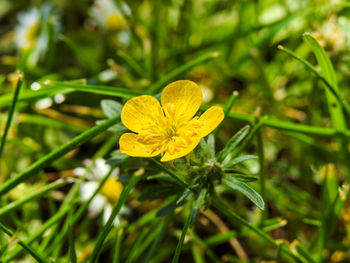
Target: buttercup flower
(109, 194)
(168, 129)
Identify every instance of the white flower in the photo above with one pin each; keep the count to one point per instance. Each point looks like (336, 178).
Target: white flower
(35, 28)
(109, 194)
(107, 15)
(27, 31)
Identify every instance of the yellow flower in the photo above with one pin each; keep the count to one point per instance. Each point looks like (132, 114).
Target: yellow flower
(170, 129)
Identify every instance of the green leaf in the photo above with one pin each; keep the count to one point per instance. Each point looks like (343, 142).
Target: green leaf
(72, 253)
(158, 192)
(197, 204)
(229, 163)
(328, 72)
(245, 189)
(233, 142)
(54, 155)
(181, 240)
(242, 178)
(10, 115)
(111, 108)
(108, 226)
(172, 206)
(116, 157)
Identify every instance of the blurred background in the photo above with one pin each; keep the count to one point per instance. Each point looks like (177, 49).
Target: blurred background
(223, 46)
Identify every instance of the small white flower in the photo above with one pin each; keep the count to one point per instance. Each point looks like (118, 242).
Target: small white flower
(104, 201)
(27, 31)
(33, 31)
(107, 15)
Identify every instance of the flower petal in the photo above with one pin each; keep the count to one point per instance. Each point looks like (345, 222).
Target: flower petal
(140, 112)
(87, 189)
(181, 99)
(210, 119)
(178, 152)
(129, 145)
(97, 204)
(107, 213)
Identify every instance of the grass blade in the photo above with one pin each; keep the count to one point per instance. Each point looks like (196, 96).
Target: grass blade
(14, 205)
(176, 72)
(181, 240)
(108, 226)
(30, 250)
(53, 220)
(236, 218)
(54, 155)
(10, 114)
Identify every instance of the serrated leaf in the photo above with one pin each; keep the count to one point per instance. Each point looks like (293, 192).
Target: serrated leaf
(158, 192)
(245, 189)
(233, 142)
(229, 163)
(111, 108)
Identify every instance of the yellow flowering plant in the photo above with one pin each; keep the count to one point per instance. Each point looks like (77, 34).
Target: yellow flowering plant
(168, 128)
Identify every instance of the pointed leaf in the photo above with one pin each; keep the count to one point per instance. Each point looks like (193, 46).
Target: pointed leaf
(197, 204)
(233, 142)
(229, 163)
(159, 192)
(245, 189)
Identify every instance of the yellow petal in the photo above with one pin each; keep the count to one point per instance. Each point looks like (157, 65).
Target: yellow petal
(210, 119)
(178, 152)
(181, 99)
(129, 145)
(141, 112)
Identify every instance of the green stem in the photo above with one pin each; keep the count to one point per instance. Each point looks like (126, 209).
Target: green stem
(181, 240)
(289, 126)
(261, 169)
(176, 72)
(159, 237)
(218, 204)
(10, 114)
(171, 173)
(329, 87)
(78, 214)
(108, 226)
(31, 197)
(54, 155)
(227, 108)
(30, 250)
(40, 231)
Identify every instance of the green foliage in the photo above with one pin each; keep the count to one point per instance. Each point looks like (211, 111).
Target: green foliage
(271, 183)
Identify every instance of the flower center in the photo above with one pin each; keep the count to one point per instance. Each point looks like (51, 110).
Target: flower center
(115, 22)
(32, 35)
(170, 131)
(112, 190)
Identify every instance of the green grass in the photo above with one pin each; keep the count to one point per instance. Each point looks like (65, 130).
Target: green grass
(271, 183)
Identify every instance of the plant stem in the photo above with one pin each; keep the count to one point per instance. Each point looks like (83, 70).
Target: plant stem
(10, 114)
(54, 155)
